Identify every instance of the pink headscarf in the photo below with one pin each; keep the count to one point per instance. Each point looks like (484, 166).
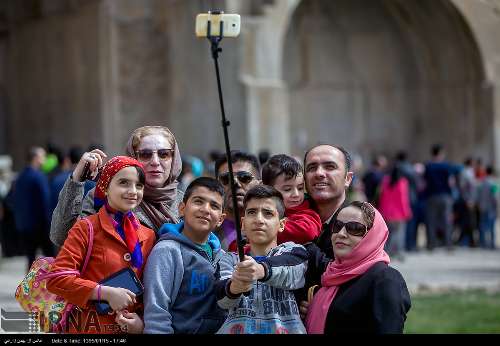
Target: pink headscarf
(369, 251)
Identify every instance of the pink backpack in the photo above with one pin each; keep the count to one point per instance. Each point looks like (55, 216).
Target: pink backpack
(49, 311)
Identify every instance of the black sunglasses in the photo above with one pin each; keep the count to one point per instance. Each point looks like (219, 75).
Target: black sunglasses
(147, 154)
(352, 227)
(242, 176)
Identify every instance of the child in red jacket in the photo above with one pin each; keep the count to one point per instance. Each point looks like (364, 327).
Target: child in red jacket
(284, 173)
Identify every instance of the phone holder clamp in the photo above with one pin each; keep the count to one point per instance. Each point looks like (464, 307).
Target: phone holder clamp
(215, 40)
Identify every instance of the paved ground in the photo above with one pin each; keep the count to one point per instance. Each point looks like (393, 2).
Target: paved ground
(443, 270)
(423, 271)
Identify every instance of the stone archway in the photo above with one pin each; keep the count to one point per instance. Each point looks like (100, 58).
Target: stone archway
(397, 75)
(483, 17)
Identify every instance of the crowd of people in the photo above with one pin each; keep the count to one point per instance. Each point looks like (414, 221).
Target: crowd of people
(456, 204)
(318, 237)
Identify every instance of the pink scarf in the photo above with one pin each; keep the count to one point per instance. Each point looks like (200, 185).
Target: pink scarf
(369, 251)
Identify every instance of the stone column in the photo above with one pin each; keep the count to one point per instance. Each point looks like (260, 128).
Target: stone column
(268, 119)
(3, 96)
(267, 115)
(484, 20)
(496, 118)
(110, 114)
(134, 71)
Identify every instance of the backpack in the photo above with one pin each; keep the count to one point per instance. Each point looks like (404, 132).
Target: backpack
(48, 310)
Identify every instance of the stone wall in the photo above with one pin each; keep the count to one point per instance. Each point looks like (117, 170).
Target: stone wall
(53, 81)
(397, 75)
(159, 73)
(4, 119)
(93, 72)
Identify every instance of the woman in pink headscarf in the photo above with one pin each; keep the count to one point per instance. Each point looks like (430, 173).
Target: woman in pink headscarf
(360, 292)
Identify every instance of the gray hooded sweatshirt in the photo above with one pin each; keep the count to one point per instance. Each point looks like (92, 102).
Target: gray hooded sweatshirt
(179, 280)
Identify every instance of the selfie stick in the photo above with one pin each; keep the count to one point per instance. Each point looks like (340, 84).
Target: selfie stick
(215, 40)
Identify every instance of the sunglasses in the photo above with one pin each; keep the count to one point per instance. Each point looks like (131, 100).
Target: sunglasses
(147, 154)
(352, 227)
(242, 176)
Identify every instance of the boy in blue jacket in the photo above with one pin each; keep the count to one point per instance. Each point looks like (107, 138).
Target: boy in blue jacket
(183, 266)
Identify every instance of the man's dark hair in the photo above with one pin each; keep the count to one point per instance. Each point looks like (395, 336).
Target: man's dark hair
(75, 153)
(468, 161)
(436, 149)
(58, 153)
(215, 154)
(264, 156)
(238, 156)
(401, 156)
(347, 156)
(280, 164)
(490, 170)
(210, 183)
(265, 191)
(93, 146)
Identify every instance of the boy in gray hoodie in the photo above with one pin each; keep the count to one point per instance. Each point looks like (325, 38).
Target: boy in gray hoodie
(269, 274)
(184, 265)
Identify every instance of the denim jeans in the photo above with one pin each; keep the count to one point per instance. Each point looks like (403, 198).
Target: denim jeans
(487, 229)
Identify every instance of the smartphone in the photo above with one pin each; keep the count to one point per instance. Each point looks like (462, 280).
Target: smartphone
(230, 26)
(124, 278)
(86, 175)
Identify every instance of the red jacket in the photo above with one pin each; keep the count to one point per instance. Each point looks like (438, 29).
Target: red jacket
(108, 256)
(301, 226)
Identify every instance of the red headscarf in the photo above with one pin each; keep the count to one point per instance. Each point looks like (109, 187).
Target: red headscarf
(108, 171)
(125, 224)
(370, 250)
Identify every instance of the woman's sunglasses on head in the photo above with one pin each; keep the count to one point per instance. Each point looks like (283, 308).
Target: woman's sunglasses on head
(147, 154)
(352, 227)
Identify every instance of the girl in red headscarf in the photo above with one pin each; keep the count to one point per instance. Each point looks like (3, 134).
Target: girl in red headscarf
(360, 293)
(120, 241)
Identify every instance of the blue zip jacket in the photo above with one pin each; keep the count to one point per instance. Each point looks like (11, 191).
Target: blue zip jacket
(179, 280)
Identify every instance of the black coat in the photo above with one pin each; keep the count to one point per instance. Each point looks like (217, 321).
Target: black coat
(375, 302)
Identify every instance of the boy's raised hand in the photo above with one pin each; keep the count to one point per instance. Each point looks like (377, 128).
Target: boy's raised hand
(249, 270)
